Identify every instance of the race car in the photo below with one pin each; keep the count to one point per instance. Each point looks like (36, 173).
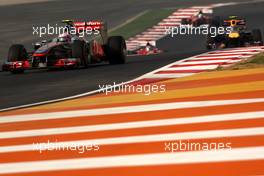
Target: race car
(69, 50)
(148, 49)
(237, 36)
(203, 17)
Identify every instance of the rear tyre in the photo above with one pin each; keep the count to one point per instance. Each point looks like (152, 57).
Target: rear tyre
(17, 52)
(184, 21)
(210, 43)
(257, 37)
(116, 50)
(79, 50)
(216, 21)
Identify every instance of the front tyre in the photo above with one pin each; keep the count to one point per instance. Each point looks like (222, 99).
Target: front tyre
(185, 21)
(216, 21)
(116, 50)
(17, 52)
(79, 50)
(257, 37)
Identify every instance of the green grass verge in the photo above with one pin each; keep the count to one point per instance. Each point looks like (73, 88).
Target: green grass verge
(142, 22)
(256, 61)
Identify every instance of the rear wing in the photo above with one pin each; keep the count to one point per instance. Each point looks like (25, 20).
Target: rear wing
(90, 25)
(95, 25)
(207, 11)
(235, 22)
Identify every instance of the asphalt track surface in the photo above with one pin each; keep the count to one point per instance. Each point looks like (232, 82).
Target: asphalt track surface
(36, 86)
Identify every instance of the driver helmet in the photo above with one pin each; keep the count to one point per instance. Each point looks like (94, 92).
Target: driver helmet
(65, 37)
(200, 14)
(148, 46)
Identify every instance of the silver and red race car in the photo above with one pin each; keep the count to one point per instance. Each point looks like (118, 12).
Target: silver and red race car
(68, 50)
(147, 48)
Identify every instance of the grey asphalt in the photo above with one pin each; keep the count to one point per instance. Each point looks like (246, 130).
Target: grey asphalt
(35, 86)
(17, 20)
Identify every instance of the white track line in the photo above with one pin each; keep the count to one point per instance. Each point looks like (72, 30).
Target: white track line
(188, 10)
(206, 134)
(181, 16)
(207, 62)
(123, 109)
(172, 20)
(149, 35)
(173, 75)
(183, 13)
(259, 49)
(217, 57)
(130, 125)
(233, 52)
(237, 154)
(224, 55)
(202, 67)
(237, 50)
(158, 27)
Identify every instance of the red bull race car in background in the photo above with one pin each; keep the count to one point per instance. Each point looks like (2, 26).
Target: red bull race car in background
(69, 50)
(202, 17)
(237, 36)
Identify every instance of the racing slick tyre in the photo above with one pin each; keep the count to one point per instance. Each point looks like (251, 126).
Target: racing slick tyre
(209, 42)
(257, 38)
(17, 52)
(184, 21)
(116, 50)
(216, 21)
(79, 50)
